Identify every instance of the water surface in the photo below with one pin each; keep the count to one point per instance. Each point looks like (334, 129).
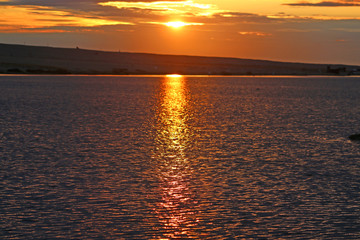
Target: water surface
(107, 157)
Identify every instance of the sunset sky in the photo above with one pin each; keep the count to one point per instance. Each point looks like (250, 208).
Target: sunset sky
(286, 30)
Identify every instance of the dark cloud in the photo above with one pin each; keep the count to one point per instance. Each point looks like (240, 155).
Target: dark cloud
(50, 3)
(326, 4)
(89, 7)
(69, 3)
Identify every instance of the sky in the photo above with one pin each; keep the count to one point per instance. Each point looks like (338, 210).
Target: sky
(282, 30)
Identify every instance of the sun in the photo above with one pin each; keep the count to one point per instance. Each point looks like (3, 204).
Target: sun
(177, 24)
(180, 24)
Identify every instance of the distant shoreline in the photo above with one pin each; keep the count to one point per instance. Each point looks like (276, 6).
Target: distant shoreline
(164, 75)
(34, 60)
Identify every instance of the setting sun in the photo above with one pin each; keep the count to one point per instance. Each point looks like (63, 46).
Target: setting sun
(180, 24)
(177, 24)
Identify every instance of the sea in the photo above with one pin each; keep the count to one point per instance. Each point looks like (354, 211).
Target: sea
(179, 157)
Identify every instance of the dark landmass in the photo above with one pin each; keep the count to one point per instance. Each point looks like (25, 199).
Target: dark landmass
(22, 59)
(355, 137)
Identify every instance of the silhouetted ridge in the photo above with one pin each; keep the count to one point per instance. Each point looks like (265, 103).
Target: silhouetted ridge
(51, 60)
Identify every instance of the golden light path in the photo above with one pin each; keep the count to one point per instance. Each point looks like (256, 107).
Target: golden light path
(176, 210)
(174, 76)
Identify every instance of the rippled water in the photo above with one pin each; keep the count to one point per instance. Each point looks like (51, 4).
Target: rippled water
(105, 157)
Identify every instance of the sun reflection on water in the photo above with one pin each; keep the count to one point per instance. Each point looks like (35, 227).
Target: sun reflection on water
(173, 116)
(176, 211)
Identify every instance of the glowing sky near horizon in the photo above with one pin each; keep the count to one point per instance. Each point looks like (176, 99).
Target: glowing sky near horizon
(286, 30)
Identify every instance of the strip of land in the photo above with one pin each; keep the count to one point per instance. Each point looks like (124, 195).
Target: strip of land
(23, 59)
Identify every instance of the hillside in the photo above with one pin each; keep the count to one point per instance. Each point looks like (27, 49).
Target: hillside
(19, 59)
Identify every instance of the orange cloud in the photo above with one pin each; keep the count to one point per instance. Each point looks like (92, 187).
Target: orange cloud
(180, 8)
(258, 34)
(18, 18)
(343, 3)
(309, 18)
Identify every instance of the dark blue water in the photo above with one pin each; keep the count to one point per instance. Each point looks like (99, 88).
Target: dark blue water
(105, 157)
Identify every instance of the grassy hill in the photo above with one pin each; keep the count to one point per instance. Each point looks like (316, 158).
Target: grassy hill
(48, 60)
